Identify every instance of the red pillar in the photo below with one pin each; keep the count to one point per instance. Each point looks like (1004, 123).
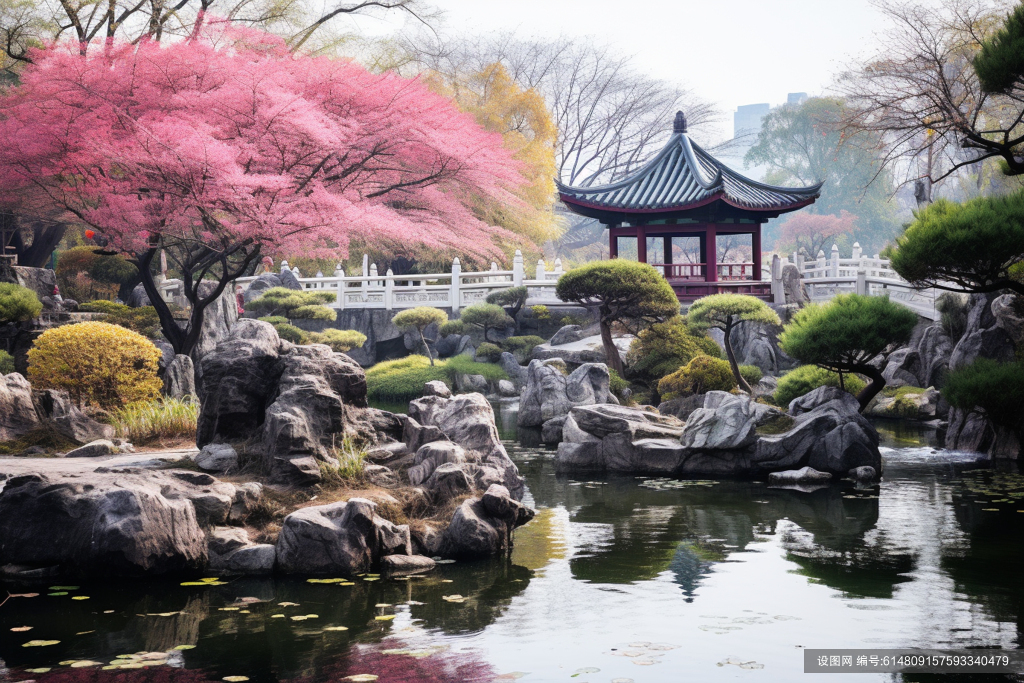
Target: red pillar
(641, 243)
(613, 243)
(711, 255)
(755, 249)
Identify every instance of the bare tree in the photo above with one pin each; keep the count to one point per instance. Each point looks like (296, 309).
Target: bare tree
(611, 119)
(922, 94)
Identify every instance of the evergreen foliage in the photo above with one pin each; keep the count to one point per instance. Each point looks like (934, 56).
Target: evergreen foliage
(807, 378)
(17, 303)
(487, 317)
(699, 376)
(726, 312)
(1000, 63)
(997, 388)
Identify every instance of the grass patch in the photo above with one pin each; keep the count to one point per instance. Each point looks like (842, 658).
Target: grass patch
(185, 463)
(900, 392)
(402, 380)
(777, 425)
(168, 419)
(46, 438)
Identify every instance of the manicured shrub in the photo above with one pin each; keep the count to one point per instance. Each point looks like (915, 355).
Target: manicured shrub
(617, 385)
(847, 334)
(143, 320)
(699, 376)
(419, 319)
(464, 365)
(274, 319)
(492, 352)
(625, 292)
(290, 333)
(341, 341)
(751, 373)
(96, 363)
(293, 304)
(396, 381)
(512, 300)
(157, 420)
(807, 378)
(996, 388)
(452, 327)
(6, 363)
(953, 309)
(726, 312)
(83, 273)
(522, 346)
(665, 347)
(18, 303)
(541, 312)
(487, 317)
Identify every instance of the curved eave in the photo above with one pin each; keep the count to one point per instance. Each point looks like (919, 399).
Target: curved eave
(590, 208)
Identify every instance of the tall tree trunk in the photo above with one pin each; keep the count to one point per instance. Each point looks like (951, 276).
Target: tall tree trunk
(168, 325)
(876, 384)
(45, 238)
(727, 334)
(610, 350)
(423, 340)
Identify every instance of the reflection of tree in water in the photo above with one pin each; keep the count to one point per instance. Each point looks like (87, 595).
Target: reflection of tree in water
(419, 666)
(989, 565)
(691, 562)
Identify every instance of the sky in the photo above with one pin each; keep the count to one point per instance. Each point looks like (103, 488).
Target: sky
(729, 52)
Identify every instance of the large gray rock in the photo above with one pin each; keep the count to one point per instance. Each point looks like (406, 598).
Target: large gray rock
(231, 552)
(731, 435)
(401, 565)
(289, 280)
(792, 285)
(757, 344)
(17, 413)
(1008, 310)
(437, 388)
(468, 420)
(93, 449)
(180, 377)
(107, 524)
(56, 409)
(548, 393)
(567, 335)
(340, 538)
(431, 456)
(218, 319)
(804, 475)
(682, 407)
(138, 298)
(260, 285)
(516, 372)
(924, 362)
(482, 527)
(217, 457)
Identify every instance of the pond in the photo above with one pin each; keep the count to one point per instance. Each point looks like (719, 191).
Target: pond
(617, 579)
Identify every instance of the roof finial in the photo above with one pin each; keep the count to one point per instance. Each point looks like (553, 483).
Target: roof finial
(680, 123)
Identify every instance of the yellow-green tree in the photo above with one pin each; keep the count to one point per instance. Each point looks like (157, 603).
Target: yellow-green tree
(527, 130)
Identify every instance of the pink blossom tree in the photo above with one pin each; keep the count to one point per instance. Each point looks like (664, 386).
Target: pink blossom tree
(225, 146)
(812, 231)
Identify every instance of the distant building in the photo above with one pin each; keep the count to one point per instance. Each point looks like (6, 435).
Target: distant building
(746, 122)
(796, 98)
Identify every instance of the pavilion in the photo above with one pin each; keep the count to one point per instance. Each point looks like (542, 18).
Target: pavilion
(672, 212)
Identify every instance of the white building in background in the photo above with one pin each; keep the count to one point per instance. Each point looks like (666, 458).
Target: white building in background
(746, 124)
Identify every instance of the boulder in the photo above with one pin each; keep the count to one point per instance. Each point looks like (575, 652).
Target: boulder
(586, 350)
(217, 457)
(450, 480)
(401, 565)
(289, 280)
(730, 436)
(180, 377)
(426, 539)
(549, 393)
(17, 413)
(218, 319)
(247, 497)
(516, 372)
(804, 475)
(792, 285)
(482, 527)
(56, 409)
(138, 298)
(1008, 310)
(472, 383)
(432, 455)
(507, 389)
(437, 388)
(260, 285)
(231, 552)
(40, 280)
(104, 524)
(551, 430)
(924, 405)
(415, 435)
(865, 474)
(93, 449)
(682, 407)
(567, 335)
(379, 475)
(340, 538)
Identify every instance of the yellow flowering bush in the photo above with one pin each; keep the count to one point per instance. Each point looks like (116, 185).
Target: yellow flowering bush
(96, 363)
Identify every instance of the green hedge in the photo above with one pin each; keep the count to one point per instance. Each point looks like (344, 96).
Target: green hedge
(807, 378)
(6, 363)
(401, 380)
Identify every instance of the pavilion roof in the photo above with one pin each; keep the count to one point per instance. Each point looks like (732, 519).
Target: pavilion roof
(681, 177)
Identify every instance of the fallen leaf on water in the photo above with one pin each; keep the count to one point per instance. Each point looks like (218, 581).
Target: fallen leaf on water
(382, 604)
(194, 583)
(336, 628)
(108, 611)
(19, 629)
(277, 616)
(585, 670)
(80, 597)
(347, 583)
(447, 581)
(63, 588)
(24, 595)
(371, 578)
(228, 609)
(84, 633)
(184, 647)
(245, 611)
(361, 678)
(53, 595)
(511, 676)
(161, 614)
(235, 679)
(312, 616)
(288, 604)
(298, 618)
(385, 617)
(39, 643)
(84, 663)
(38, 671)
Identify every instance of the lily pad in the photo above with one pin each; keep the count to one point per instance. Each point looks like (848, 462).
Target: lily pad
(277, 616)
(361, 678)
(585, 670)
(53, 595)
(63, 588)
(40, 643)
(336, 628)
(41, 670)
(235, 679)
(80, 597)
(288, 604)
(20, 629)
(385, 617)
(82, 663)
(183, 647)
